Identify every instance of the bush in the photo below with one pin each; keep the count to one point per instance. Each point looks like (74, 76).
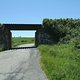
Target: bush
(77, 43)
(65, 39)
(62, 28)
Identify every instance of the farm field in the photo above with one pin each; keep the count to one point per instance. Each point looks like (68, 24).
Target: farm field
(22, 40)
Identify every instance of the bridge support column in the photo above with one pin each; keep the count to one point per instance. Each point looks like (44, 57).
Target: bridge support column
(5, 38)
(36, 38)
(10, 40)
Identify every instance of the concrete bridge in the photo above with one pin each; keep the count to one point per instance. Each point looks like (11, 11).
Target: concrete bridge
(6, 36)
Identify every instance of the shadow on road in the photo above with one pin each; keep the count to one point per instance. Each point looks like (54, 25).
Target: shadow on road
(23, 47)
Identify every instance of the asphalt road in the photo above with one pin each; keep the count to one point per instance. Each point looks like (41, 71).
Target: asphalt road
(21, 64)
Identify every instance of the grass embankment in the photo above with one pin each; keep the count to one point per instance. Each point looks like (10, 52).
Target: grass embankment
(22, 40)
(60, 61)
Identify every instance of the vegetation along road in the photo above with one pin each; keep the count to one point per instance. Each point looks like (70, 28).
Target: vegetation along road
(21, 64)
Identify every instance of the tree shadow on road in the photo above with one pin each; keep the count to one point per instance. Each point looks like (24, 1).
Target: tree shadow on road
(23, 47)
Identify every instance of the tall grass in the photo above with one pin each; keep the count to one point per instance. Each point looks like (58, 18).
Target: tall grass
(60, 61)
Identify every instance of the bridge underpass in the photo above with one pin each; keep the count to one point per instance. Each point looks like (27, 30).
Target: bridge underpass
(19, 27)
(41, 37)
(23, 37)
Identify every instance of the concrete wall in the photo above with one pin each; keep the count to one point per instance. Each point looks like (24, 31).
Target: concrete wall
(5, 38)
(41, 37)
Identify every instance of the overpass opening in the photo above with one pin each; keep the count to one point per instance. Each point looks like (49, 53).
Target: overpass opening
(7, 31)
(23, 39)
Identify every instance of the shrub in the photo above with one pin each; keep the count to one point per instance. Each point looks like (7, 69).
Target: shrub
(62, 28)
(77, 43)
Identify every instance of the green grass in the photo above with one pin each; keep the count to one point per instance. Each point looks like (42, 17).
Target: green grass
(0, 49)
(60, 61)
(22, 40)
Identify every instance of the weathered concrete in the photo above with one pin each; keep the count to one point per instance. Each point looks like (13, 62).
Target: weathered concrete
(23, 26)
(5, 37)
(41, 37)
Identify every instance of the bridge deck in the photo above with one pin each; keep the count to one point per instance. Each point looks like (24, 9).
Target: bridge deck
(23, 26)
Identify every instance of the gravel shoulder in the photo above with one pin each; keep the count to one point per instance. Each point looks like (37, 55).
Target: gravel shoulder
(21, 64)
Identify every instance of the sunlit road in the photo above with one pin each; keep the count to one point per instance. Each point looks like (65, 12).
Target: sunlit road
(21, 64)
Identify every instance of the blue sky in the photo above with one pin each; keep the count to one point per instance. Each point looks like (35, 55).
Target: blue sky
(33, 11)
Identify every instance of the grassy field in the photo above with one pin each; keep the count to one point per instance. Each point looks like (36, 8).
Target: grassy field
(22, 40)
(60, 61)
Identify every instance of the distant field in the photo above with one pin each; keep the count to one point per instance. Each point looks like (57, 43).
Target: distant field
(22, 40)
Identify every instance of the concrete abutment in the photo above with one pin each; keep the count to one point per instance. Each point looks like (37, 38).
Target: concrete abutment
(41, 37)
